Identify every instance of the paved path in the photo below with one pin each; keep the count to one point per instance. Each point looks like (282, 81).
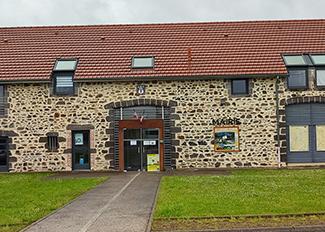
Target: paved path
(123, 203)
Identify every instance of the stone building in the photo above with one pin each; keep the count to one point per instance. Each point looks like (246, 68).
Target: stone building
(162, 96)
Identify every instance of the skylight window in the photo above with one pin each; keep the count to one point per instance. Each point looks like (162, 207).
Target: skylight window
(143, 62)
(65, 65)
(294, 60)
(318, 59)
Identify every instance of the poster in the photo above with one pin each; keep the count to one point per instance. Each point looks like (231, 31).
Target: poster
(78, 139)
(226, 139)
(153, 164)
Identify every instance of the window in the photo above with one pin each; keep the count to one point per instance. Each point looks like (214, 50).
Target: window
(52, 142)
(63, 73)
(240, 87)
(297, 78)
(143, 62)
(64, 84)
(2, 100)
(294, 60)
(318, 59)
(65, 65)
(320, 77)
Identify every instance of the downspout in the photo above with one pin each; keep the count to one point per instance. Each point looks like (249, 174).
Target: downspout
(277, 119)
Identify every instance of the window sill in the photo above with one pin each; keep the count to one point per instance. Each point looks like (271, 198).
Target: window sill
(321, 88)
(298, 89)
(240, 95)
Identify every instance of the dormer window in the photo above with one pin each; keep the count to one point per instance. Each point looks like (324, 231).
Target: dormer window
(319, 62)
(143, 62)
(297, 66)
(63, 74)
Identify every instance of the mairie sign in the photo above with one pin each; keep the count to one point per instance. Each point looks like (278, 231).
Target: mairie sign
(226, 121)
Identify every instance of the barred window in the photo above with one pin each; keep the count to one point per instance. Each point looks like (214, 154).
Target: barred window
(52, 142)
(2, 100)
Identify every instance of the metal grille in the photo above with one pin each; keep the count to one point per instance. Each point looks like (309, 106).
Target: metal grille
(148, 112)
(2, 106)
(2, 101)
(52, 142)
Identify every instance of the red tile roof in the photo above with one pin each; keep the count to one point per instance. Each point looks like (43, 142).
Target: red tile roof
(180, 49)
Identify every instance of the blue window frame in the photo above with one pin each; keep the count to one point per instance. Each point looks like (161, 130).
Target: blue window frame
(240, 87)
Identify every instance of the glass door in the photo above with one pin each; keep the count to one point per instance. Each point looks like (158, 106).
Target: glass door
(141, 149)
(80, 150)
(150, 149)
(132, 149)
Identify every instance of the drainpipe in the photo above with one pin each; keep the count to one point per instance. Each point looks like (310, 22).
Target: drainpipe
(277, 119)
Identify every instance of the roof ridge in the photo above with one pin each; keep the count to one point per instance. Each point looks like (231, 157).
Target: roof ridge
(168, 23)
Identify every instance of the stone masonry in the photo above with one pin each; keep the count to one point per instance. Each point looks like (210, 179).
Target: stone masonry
(34, 112)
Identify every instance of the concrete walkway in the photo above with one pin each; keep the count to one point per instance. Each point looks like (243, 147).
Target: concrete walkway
(123, 203)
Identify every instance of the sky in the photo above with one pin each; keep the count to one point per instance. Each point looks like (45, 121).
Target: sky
(76, 12)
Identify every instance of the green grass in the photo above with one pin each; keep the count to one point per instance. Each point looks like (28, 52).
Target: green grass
(24, 198)
(241, 193)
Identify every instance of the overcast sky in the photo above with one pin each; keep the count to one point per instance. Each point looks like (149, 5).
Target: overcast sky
(67, 12)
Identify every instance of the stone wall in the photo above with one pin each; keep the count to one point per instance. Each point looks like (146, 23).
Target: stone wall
(34, 112)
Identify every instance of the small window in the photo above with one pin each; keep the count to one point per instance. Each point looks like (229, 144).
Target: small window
(2, 100)
(318, 59)
(240, 87)
(294, 60)
(143, 62)
(65, 65)
(320, 77)
(52, 143)
(64, 84)
(297, 79)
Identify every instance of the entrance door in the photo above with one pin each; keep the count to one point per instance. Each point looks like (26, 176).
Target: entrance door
(306, 133)
(80, 150)
(3, 154)
(140, 143)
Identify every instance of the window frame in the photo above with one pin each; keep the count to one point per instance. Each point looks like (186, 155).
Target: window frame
(65, 70)
(313, 61)
(247, 81)
(63, 73)
(143, 67)
(52, 142)
(304, 57)
(304, 68)
(316, 69)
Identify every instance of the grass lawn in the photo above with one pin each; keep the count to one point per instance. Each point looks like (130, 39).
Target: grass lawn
(24, 198)
(242, 192)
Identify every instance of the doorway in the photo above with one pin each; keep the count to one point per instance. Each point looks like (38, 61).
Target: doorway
(3, 154)
(141, 145)
(306, 133)
(81, 150)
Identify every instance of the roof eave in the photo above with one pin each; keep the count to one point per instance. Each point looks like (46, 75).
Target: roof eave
(146, 78)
